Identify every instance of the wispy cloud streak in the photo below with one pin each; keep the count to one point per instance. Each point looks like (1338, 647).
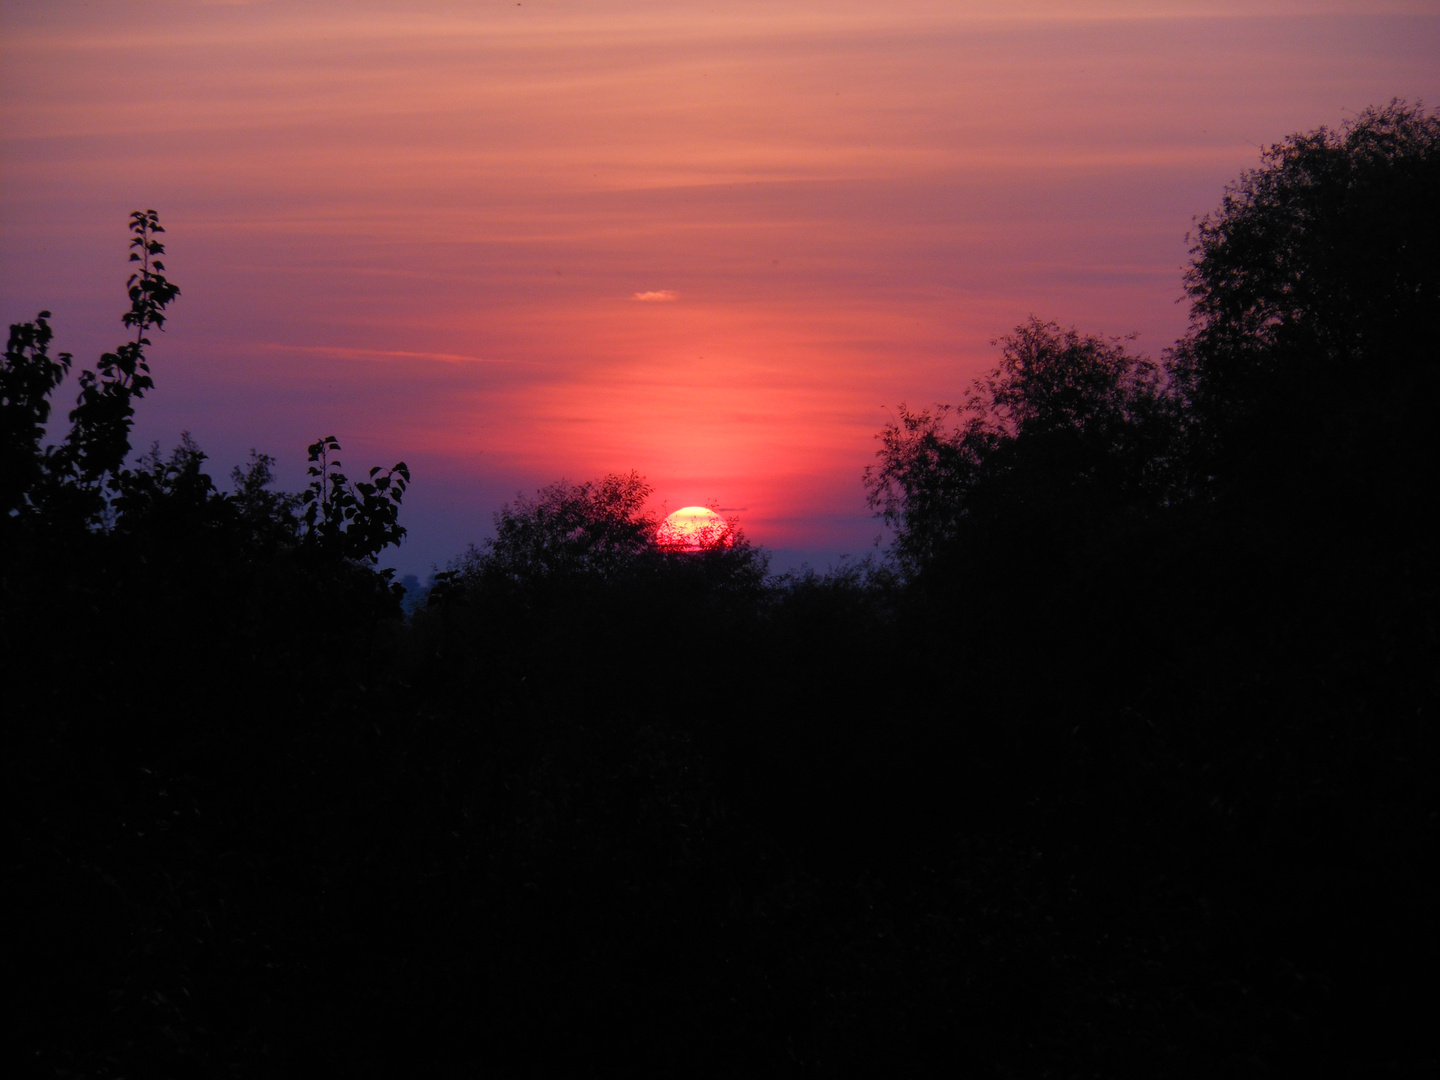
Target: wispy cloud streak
(346, 352)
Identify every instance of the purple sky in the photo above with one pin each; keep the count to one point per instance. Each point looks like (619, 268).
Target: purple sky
(510, 243)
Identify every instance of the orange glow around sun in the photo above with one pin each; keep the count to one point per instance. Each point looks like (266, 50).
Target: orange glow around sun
(694, 528)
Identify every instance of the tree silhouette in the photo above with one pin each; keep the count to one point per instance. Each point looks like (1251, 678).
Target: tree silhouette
(74, 482)
(28, 377)
(593, 529)
(1129, 770)
(597, 540)
(83, 486)
(1064, 427)
(1314, 294)
(351, 521)
(250, 571)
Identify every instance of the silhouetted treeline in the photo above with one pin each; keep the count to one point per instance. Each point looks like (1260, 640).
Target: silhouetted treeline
(1119, 760)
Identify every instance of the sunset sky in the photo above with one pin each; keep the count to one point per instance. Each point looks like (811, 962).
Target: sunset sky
(713, 243)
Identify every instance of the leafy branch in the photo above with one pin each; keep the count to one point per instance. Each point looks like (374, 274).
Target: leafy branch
(355, 521)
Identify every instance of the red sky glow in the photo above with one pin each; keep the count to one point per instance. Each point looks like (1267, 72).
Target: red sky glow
(510, 243)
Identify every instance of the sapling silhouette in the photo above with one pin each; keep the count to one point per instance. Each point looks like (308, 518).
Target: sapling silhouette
(72, 483)
(352, 521)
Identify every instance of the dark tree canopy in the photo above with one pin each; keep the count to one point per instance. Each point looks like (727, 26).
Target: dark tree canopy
(1064, 423)
(594, 528)
(595, 533)
(173, 545)
(1306, 371)
(1315, 292)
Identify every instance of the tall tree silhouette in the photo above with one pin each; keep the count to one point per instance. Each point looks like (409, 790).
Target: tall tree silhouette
(1315, 291)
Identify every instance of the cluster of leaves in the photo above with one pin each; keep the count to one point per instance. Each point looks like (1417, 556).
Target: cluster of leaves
(105, 412)
(352, 521)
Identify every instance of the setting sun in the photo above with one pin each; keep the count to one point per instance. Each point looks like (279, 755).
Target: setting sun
(694, 528)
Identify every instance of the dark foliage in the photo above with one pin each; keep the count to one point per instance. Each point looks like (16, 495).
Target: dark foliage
(1066, 428)
(1122, 764)
(1315, 292)
(167, 648)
